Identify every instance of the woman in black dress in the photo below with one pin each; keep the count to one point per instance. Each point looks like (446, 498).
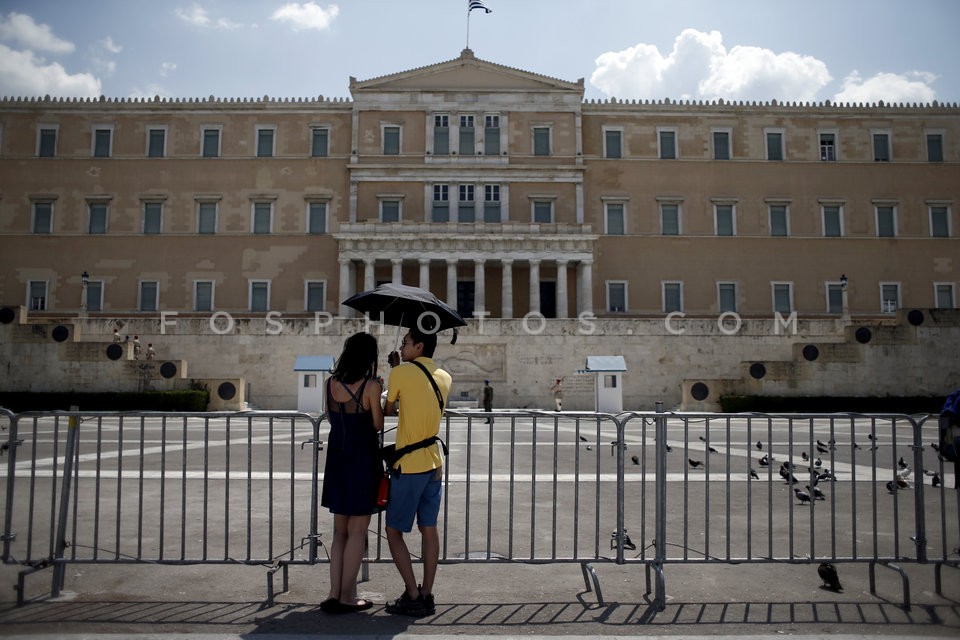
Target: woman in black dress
(353, 468)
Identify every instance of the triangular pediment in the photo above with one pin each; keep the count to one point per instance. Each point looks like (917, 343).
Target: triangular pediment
(466, 73)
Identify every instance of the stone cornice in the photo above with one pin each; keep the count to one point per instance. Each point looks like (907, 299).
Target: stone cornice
(482, 247)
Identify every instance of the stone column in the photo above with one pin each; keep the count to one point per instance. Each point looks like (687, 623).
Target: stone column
(562, 288)
(506, 289)
(397, 275)
(369, 278)
(585, 287)
(479, 286)
(425, 273)
(534, 285)
(345, 289)
(452, 282)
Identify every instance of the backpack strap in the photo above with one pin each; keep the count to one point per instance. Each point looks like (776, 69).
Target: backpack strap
(433, 383)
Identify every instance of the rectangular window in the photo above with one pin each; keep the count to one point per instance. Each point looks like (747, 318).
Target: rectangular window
(934, 147)
(101, 143)
(667, 140)
(37, 295)
(832, 221)
(149, 295)
(211, 143)
(262, 214)
(98, 217)
(441, 134)
(156, 143)
(466, 204)
(94, 296)
(944, 293)
(265, 142)
(43, 217)
(203, 295)
(207, 217)
(391, 140)
(889, 297)
(721, 145)
(834, 298)
(541, 141)
(886, 221)
(319, 142)
(316, 217)
(315, 296)
(259, 295)
(467, 136)
(309, 381)
(782, 297)
(491, 135)
(617, 297)
(828, 147)
(775, 145)
(881, 147)
(723, 214)
(389, 211)
(441, 203)
(47, 142)
(672, 297)
(491, 203)
(543, 211)
(939, 222)
(778, 220)
(727, 297)
(615, 222)
(612, 143)
(670, 219)
(152, 217)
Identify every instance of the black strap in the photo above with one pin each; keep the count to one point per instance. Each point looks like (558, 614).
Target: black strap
(423, 444)
(433, 383)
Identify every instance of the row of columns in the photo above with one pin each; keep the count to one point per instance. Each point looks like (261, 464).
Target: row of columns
(584, 281)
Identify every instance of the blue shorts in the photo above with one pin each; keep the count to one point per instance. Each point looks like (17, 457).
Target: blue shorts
(414, 494)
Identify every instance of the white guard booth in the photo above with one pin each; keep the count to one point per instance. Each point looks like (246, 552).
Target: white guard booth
(609, 382)
(311, 381)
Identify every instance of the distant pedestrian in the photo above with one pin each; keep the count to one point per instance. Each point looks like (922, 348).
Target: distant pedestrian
(116, 336)
(136, 347)
(557, 389)
(151, 352)
(487, 400)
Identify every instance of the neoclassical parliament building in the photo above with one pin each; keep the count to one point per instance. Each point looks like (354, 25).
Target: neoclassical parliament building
(508, 195)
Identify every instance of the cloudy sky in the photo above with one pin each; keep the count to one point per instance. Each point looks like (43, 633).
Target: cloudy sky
(838, 50)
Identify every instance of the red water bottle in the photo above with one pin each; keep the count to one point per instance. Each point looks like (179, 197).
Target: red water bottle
(383, 493)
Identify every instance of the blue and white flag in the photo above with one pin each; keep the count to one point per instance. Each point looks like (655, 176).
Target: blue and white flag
(477, 4)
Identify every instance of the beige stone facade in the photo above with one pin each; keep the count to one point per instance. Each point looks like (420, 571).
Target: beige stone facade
(502, 191)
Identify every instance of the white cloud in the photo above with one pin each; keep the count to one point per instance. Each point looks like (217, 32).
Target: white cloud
(913, 86)
(700, 67)
(166, 68)
(23, 74)
(21, 29)
(194, 15)
(110, 45)
(308, 15)
(149, 92)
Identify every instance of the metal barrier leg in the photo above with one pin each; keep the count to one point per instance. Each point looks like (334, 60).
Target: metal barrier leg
(937, 569)
(903, 577)
(59, 564)
(590, 574)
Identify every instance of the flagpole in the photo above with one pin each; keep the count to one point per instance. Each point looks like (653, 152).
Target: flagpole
(468, 27)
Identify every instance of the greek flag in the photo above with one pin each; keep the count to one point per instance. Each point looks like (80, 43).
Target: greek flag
(477, 4)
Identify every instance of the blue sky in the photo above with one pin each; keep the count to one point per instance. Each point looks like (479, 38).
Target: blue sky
(839, 50)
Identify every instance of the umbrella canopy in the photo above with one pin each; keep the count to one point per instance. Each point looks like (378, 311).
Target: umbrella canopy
(406, 306)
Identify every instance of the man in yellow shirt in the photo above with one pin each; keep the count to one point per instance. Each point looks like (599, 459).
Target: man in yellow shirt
(417, 477)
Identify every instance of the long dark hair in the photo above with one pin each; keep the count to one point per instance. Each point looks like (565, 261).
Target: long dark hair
(358, 360)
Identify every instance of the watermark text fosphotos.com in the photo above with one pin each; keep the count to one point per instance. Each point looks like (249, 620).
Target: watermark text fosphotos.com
(221, 323)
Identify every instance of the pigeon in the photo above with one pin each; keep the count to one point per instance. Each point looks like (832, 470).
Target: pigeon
(759, 445)
(905, 473)
(669, 448)
(583, 439)
(635, 459)
(763, 461)
(821, 450)
(818, 463)
(901, 482)
(589, 448)
(694, 463)
(753, 474)
(927, 472)
(856, 446)
(804, 456)
(936, 479)
(870, 436)
(935, 447)
(802, 496)
(892, 486)
(820, 443)
(786, 466)
(702, 439)
(828, 573)
(816, 493)
(902, 463)
(711, 450)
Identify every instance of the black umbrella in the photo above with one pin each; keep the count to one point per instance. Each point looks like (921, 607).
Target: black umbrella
(405, 306)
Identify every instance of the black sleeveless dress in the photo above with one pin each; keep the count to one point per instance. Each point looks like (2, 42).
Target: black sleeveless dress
(351, 475)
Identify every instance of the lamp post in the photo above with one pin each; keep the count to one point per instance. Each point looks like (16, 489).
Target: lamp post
(843, 296)
(84, 281)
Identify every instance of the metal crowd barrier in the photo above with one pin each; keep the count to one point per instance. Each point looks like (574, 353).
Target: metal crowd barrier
(650, 488)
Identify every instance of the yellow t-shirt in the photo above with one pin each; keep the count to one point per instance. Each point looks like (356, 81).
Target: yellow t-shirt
(419, 412)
